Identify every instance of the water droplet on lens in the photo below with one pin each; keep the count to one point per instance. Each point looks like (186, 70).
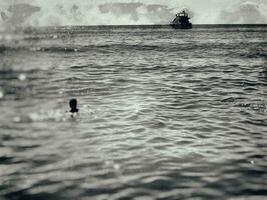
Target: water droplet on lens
(107, 162)
(22, 77)
(117, 167)
(1, 94)
(16, 119)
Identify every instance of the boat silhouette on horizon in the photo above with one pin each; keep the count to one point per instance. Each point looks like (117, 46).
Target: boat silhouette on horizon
(181, 21)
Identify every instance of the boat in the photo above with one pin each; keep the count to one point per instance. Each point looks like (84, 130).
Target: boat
(181, 21)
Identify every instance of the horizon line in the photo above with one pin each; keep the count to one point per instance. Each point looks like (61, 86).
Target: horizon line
(147, 25)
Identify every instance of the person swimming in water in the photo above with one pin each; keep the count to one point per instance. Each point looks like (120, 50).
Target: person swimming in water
(73, 106)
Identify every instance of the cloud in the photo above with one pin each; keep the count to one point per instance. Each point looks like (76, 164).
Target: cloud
(248, 12)
(18, 14)
(140, 13)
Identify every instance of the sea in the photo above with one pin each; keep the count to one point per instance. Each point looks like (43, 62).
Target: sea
(163, 113)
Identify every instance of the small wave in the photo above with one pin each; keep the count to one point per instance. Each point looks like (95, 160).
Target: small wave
(78, 66)
(254, 55)
(68, 49)
(42, 116)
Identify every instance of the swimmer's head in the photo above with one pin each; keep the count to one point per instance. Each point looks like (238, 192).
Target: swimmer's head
(73, 105)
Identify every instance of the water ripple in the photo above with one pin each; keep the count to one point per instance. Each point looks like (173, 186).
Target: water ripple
(164, 114)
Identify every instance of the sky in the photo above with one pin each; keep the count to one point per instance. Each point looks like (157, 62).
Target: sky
(129, 12)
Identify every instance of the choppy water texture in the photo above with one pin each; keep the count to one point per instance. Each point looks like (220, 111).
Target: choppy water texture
(164, 114)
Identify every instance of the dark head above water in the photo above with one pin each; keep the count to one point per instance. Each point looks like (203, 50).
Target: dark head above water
(73, 106)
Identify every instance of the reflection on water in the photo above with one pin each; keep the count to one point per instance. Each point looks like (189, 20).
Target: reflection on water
(164, 114)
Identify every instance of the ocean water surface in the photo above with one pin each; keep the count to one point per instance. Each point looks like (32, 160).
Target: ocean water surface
(164, 114)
